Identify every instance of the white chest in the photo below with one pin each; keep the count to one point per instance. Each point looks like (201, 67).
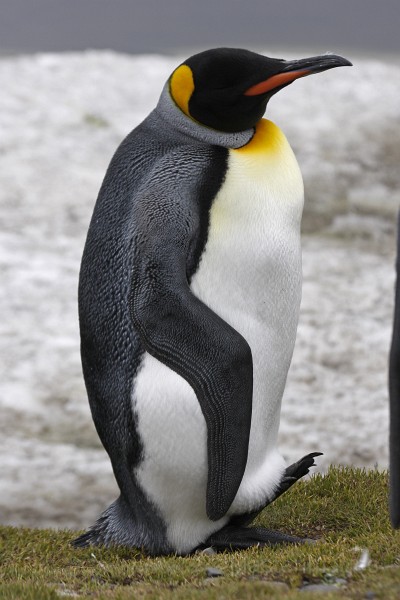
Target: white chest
(251, 267)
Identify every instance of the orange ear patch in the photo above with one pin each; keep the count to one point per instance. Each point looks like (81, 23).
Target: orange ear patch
(182, 87)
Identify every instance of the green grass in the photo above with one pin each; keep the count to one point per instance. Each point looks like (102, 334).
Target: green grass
(346, 510)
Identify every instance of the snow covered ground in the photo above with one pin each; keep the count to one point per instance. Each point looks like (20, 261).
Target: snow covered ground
(61, 118)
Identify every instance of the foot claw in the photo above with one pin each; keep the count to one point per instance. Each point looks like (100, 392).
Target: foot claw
(302, 466)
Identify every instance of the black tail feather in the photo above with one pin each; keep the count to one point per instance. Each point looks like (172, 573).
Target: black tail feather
(101, 533)
(117, 526)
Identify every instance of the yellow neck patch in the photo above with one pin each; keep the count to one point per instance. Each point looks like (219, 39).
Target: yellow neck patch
(267, 138)
(182, 87)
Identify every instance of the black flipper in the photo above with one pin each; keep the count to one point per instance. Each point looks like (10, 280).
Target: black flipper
(394, 396)
(182, 332)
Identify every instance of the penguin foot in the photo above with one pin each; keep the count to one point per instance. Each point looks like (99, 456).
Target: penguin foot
(232, 537)
(296, 471)
(302, 466)
(292, 474)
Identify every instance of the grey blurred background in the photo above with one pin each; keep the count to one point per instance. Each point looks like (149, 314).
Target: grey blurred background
(143, 26)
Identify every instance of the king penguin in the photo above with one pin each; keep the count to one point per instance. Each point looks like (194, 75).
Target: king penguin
(189, 297)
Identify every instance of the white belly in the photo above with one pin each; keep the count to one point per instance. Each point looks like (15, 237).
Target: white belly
(250, 275)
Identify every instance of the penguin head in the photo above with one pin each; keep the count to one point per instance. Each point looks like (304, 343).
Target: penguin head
(228, 89)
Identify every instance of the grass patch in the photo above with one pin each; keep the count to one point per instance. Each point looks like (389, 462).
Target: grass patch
(346, 510)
